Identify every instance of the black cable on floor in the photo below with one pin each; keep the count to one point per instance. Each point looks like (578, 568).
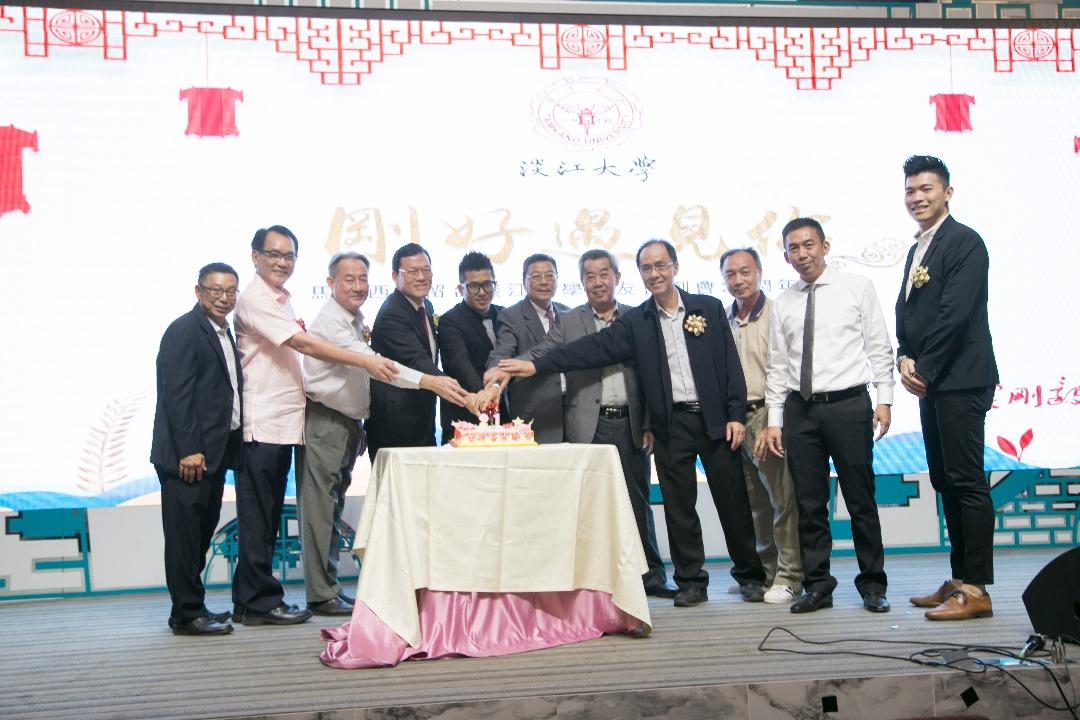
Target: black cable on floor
(926, 655)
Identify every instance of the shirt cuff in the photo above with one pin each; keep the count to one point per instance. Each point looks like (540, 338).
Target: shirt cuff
(884, 394)
(776, 416)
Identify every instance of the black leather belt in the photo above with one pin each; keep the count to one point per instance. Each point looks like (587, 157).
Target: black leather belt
(690, 407)
(836, 395)
(754, 406)
(614, 411)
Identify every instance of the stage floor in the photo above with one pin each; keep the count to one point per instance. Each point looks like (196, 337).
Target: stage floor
(114, 657)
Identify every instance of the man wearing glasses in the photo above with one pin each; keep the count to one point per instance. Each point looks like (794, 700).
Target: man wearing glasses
(521, 326)
(271, 340)
(196, 439)
(695, 396)
(404, 331)
(467, 336)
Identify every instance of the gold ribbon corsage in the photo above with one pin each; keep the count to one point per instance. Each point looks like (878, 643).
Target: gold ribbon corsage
(365, 333)
(695, 325)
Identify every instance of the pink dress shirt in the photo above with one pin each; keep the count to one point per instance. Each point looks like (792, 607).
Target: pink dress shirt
(273, 382)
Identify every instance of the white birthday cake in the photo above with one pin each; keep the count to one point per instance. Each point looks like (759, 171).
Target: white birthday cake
(515, 434)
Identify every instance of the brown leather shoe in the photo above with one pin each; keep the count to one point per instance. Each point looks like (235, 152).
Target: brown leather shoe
(937, 597)
(961, 606)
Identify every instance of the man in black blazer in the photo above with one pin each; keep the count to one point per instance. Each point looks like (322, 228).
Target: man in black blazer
(197, 437)
(467, 335)
(695, 396)
(946, 359)
(404, 331)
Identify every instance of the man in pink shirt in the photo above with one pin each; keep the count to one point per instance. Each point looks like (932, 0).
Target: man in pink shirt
(271, 339)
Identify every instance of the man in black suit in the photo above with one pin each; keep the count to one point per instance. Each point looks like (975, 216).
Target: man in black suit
(947, 361)
(695, 396)
(197, 437)
(404, 331)
(467, 334)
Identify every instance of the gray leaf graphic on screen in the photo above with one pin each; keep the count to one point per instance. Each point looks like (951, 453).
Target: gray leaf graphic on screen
(101, 465)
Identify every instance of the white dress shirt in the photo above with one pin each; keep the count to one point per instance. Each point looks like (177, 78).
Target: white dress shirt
(683, 388)
(345, 388)
(922, 240)
(851, 343)
(230, 363)
(612, 378)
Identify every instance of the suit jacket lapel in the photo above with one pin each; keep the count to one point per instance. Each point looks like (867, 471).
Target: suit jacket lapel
(414, 318)
(532, 322)
(907, 272)
(652, 314)
(210, 329)
(936, 242)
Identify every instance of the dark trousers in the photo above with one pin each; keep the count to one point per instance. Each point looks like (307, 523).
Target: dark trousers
(843, 430)
(189, 517)
(635, 467)
(675, 469)
(260, 496)
(954, 426)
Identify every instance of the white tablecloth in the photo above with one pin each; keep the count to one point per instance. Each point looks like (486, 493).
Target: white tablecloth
(544, 518)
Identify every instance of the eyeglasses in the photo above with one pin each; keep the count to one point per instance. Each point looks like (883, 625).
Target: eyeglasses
(275, 256)
(216, 292)
(485, 287)
(417, 272)
(659, 267)
(542, 277)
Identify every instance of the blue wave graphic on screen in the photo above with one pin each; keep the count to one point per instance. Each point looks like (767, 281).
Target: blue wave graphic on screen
(38, 500)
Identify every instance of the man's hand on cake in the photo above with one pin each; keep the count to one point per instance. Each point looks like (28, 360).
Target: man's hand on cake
(517, 368)
(445, 387)
(495, 376)
(486, 397)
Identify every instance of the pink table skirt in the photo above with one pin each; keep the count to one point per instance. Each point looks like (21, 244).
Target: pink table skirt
(455, 624)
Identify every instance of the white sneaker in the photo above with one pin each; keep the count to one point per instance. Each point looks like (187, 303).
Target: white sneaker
(780, 595)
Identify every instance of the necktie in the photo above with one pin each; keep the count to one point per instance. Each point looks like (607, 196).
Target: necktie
(422, 312)
(489, 328)
(551, 317)
(806, 373)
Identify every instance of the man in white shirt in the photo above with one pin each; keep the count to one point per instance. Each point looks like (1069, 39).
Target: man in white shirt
(338, 400)
(827, 342)
(271, 339)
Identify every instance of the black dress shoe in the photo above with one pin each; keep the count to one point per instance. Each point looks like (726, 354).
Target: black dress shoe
(689, 597)
(333, 606)
(752, 592)
(281, 615)
(812, 601)
(875, 601)
(204, 625)
(221, 617)
(662, 590)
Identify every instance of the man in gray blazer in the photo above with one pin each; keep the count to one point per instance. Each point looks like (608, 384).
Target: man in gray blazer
(604, 406)
(521, 326)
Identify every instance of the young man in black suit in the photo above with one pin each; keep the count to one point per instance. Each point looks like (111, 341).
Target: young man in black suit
(197, 437)
(467, 335)
(695, 396)
(947, 361)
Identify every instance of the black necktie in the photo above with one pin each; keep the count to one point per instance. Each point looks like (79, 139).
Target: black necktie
(806, 373)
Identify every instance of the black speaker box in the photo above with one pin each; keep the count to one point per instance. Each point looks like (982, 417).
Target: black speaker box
(1053, 597)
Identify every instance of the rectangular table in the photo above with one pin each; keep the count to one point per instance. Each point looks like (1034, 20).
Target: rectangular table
(487, 551)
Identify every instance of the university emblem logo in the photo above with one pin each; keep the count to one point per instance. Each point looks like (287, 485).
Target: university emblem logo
(586, 113)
